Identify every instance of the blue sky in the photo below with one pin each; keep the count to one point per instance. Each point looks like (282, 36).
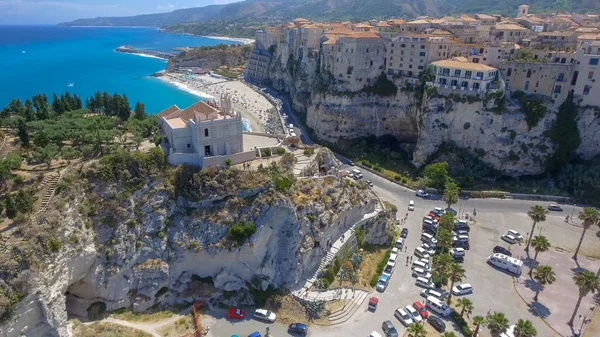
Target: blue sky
(55, 11)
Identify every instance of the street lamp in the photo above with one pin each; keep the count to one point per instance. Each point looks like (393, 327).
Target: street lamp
(573, 211)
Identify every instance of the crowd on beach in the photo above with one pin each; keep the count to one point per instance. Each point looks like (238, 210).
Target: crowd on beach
(244, 99)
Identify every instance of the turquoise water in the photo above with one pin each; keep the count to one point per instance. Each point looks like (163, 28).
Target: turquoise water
(45, 59)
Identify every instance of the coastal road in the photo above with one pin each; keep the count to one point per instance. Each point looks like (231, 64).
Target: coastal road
(291, 117)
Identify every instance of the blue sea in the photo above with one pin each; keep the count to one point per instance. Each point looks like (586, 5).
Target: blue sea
(45, 59)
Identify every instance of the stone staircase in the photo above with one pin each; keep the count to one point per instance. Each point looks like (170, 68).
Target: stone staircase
(301, 162)
(354, 302)
(48, 189)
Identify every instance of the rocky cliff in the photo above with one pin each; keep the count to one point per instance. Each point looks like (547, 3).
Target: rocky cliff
(139, 235)
(211, 57)
(500, 136)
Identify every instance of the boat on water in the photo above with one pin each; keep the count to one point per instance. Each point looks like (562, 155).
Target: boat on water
(22, 51)
(70, 84)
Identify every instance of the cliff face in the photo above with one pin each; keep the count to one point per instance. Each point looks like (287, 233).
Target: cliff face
(502, 138)
(211, 57)
(135, 249)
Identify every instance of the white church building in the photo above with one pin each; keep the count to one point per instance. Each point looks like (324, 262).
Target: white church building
(204, 134)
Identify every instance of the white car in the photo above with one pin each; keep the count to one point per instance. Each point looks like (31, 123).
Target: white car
(462, 289)
(416, 317)
(411, 205)
(420, 272)
(428, 249)
(457, 251)
(265, 315)
(422, 194)
(516, 234)
(424, 283)
(394, 251)
(509, 238)
(403, 317)
(393, 258)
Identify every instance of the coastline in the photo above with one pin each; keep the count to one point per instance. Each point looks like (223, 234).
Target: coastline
(259, 113)
(234, 39)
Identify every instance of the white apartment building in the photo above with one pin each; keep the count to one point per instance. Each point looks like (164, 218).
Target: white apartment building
(586, 78)
(460, 74)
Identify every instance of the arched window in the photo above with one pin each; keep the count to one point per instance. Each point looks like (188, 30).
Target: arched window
(205, 132)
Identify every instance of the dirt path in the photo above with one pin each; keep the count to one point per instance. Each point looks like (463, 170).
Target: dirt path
(148, 327)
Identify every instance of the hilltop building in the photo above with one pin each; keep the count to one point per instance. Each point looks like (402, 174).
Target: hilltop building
(204, 134)
(460, 74)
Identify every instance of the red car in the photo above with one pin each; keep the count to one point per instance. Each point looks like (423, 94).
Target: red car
(421, 309)
(234, 313)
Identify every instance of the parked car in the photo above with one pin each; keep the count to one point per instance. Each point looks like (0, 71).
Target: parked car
(422, 194)
(437, 323)
(516, 234)
(458, 259)
(502, 250)
(554, 207)
(351, 163)
(424, 283)
(420, 308)
(420, 264)
(373, 301)
(235, 313)
(389, 329)
(428, 249)
(382, 283)
(460, 232)
(462, 289)
(461, 244)
(395, 250)
(411, 205)
(452, 210)
(437, 293)
(370, 183)
(455, 252)
(255, 334)
(404, 233)
(389, 269)
(298, 328)
(416, 317)
(265, 315)
(509, 238)
(420, 272)
(403, 317)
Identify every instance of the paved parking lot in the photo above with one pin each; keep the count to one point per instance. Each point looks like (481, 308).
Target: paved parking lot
(493, 289)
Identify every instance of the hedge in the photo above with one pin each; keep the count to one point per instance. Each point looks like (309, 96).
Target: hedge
(461, 323)
(380, 267)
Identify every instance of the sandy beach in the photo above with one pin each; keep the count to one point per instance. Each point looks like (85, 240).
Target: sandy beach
(261, 115)
(234, 39)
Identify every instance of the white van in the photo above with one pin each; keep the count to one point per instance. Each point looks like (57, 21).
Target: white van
(424, 282)
(291, 126)
(393, 258)
(429, 239)
(375, 334)
(506, 262)
(438, 306)
(357, 173)
(420, 264)
(420, 252)
(429, 292)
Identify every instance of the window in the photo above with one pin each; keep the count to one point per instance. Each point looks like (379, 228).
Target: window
(205, 132)
(189, 145)
(392, 45)
(586, 89)
(392, 51)
(590, 75)
(468, 73)
(480, 74)
(557, 89)
(420, 67)
(561, 77)
(422, 46)
(457, 72)
(508, 72)
(367, 50)
(391, 58)
(529, 73)
(207, 151)
(594, 61)
(422, 53)
(402, 46)
(410, 66)
(526, 86)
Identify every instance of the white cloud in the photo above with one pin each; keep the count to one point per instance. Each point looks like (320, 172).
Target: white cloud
(168, 6)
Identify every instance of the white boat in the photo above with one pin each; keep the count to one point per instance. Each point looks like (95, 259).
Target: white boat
(23, 51)
(70, 84)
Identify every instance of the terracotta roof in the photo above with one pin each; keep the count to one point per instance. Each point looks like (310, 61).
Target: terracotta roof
(465, 17)
(173, 108)
(365, 35)
(485, 17)
(331, 38)
(396, 21)
(462, 63)
(298, 20)
(437, 21)
(509, 26)
(310, 26)
(361, 25)
(340, 31)
(592, 36)
(418, 22)
(200, 107)
(382, 24)
(587, 30)
(557, 33)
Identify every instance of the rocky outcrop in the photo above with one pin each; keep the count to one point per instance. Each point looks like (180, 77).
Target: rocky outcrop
(211, 57)
(150, 247)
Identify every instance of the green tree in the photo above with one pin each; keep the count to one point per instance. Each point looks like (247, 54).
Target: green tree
(524, 328)
(23, 133)
(540, 244)
(564, 134)
(587, 282)
(46, 154)
(479, 321)
(589, 216)
(444, 238)
(447, 221)
(497, 323)
(416, 330)
(448, 334)
(537, 213)
(457, 273)
(543, 275)
(436, 175)
(442, 264)
(24, 201)
(41, 139)
(313, 309)
(10, 206)
(140, 112)
(29, 113)
(466, 305)
(450, 195)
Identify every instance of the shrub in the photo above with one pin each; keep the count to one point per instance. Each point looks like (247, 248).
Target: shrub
(397, 177)
(53, 245)
(310, 217)
(309, 151)
(280, 151)
(267, 151)
(461, 323)
(283, 182)
(374, 280)
(228, 162)
(467, 126)
(241, 231)
(18, 180)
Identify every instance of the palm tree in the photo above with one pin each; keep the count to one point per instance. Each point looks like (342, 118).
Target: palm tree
(441, 264)
(456, 275)
(587, 282)
(497, 323)
(589, 216)
(478, 321)
(449, 334)
(447, 221)
(444, 238)
(416, 330)
(313, 309)
(466, 305)
(540, 244)
(524, 329)
(450, 195)
(543, 275)
(537, 214)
